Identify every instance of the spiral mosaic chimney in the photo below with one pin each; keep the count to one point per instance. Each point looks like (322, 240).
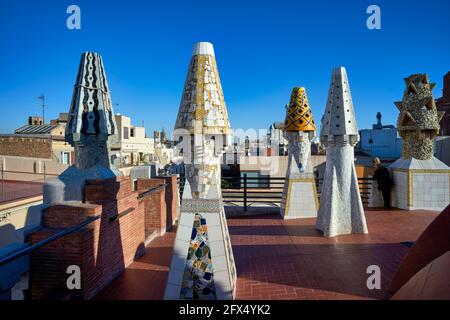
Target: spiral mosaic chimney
(202, 265)
(91, 124)
(91, 128)
(299, 198)
(341, 210)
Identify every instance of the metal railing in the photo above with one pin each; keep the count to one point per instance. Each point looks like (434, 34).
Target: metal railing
(247, 191)
(364, 189)
(42, 243)
(151, 190)
(62, 233)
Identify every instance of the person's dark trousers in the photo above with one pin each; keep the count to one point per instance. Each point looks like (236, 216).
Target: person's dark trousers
(386, 198)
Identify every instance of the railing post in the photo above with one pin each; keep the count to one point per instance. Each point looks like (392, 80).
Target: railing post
(2, 177)
(245, 192)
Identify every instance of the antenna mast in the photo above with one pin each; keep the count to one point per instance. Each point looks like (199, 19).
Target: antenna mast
(42, 98)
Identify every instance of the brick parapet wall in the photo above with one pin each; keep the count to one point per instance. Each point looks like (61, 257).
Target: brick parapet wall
(102, 249)
(162, 207)
(154, 205)
(172, 200)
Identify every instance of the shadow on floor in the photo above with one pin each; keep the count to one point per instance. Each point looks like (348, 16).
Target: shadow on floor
(145, 278)
(313, 271)
(252, 212)
(289, 259)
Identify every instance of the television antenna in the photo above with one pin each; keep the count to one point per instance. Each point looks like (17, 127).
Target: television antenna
(42, 98)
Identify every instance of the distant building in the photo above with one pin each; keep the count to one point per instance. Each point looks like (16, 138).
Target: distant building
(160, 136)
(61, 120)
(35, 120)
(35, 151)
(443, 104)
(163, 136)
(47, 141)
(164, 155)
(232, 154)
(38, 141)
(275, 138)
(157, 136)
(133, 146)
(381, 141)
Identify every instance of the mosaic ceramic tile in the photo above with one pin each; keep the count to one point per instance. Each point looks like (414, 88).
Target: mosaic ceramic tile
(418, 121)
(299, 130)
(91, 129)
(299, 115)
(340, 209)
(198, 277)
(201, 205)
(204, 133)
(91, 125)
(203, 98)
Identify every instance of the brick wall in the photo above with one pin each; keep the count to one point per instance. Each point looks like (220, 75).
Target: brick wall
(26, 147)
(154, 206)
(162, 207)
(443, 104)
(172, 200)
(102, 249)
(446, 89)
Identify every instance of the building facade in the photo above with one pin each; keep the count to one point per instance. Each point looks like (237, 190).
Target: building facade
(276, 140)
(133, 146)
(381, 141)
(32, 140)
(443, 104)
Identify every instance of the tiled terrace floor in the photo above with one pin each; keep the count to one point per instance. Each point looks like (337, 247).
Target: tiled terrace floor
(13, 190)
(278, 259)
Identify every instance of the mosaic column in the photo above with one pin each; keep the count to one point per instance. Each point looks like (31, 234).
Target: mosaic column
(91, 129)
(421, 181)
(202, 266)
(299, 198)
(341, 210)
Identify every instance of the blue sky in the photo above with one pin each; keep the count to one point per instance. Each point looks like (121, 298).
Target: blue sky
(263, 49)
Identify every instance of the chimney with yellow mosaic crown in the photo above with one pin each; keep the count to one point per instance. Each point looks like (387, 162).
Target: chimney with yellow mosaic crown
(299, 195)
(298, 115)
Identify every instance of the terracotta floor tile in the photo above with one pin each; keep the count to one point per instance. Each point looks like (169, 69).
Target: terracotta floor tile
(277, 259)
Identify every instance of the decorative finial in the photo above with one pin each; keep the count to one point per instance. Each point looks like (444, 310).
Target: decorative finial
(339, 119)
(91, 125)
(202, 108)
(298, 114)
(418, 121)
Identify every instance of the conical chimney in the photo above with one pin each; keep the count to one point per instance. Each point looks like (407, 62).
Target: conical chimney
(298, 114)
(202, 108)
(339, 121)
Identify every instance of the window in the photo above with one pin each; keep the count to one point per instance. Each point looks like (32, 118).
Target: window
(125, 132)
(132, 132)
(65, 157)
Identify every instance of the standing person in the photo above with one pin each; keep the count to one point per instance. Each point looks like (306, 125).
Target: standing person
(383, 177)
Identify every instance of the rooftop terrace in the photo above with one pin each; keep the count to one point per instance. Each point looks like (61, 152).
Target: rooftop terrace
(11, 190)
(289, 259)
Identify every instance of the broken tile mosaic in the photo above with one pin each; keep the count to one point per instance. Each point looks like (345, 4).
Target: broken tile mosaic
(198, 277)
